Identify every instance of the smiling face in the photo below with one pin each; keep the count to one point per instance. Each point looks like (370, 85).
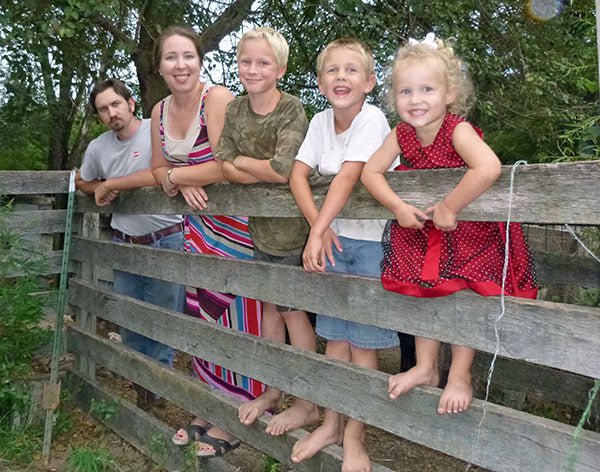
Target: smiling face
(422, 96)
(258, 68)
(180, 64)
(114, 111)
(344, 80)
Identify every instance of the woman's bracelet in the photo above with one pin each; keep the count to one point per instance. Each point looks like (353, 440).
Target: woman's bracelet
(169, 172)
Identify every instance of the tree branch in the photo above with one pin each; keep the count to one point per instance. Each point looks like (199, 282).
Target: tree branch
(117, 33)
(230, 20)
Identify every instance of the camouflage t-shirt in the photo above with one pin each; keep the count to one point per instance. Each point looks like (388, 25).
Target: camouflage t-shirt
(276, 137)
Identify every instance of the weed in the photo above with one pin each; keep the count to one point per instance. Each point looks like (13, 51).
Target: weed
(103, 409)
(90, 459)
(272, 465)
(158, 449)
(191, 463)
(18, 446)
(21, 339)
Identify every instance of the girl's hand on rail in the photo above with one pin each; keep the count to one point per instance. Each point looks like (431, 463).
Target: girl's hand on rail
(409, 216)
(443, 217)
(194, 196)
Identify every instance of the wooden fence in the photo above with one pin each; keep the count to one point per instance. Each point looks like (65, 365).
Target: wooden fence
(551, 350)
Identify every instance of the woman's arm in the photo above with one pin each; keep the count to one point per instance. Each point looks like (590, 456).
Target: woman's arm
(159, 164)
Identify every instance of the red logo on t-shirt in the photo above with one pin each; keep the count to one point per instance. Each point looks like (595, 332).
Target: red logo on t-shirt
(135, 154)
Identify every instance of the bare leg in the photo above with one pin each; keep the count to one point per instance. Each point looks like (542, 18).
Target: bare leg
(273, 327)
(458, 394)
(424, 373)
(302, 412)
(356, 458)
(332, 429)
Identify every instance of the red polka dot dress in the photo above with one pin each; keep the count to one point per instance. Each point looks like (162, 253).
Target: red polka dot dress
(428, 262)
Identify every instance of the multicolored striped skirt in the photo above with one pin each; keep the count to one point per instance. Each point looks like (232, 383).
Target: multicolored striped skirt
(225, 236)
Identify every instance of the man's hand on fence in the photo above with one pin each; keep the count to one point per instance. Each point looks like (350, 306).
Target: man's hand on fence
(103, 195)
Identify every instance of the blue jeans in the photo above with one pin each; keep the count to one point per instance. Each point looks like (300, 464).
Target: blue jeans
(359, 257)
(158, 292)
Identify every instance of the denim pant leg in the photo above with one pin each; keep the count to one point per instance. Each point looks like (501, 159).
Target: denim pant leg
(359, 257)
(158, 292)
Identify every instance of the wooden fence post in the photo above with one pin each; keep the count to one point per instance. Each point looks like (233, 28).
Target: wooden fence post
(89, 228)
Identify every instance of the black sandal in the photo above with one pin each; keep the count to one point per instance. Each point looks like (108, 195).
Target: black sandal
(194, 433)
(220, 446)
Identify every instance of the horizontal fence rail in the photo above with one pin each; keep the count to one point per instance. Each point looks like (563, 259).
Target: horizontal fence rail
(28, 182)
(552, 334)
(543, 194)
(507, 439)
(37, 221)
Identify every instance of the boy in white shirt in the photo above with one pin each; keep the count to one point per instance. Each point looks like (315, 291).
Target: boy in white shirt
(339, 142)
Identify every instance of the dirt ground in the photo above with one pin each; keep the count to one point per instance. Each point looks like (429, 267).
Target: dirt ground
(384, 448)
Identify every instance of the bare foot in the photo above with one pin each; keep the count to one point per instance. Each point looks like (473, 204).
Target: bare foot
(406, 381)
(457, 395)
(300, 414)
(356, 458)
(249, 411)
(330, 432)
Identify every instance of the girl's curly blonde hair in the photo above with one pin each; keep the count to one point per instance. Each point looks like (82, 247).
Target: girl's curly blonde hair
(452, 68)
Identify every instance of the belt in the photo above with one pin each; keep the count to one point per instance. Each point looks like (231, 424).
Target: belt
(150, 237)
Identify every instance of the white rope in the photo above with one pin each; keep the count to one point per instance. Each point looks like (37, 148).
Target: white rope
(570, 230)
(502, 310)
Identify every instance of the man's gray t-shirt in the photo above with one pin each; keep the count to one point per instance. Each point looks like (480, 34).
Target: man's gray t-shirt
(108, 157)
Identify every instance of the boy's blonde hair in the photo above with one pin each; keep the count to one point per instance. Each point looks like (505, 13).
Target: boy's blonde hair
(278, 44)
(452, 68)
(353, 44)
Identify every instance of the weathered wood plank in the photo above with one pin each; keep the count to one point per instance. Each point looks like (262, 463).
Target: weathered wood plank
(552, 334)
(86, 320)
(543, 382)
(33, 182)
(37, 221)
(542, 194)
(507, 440)
(138, 428)
(201, 400)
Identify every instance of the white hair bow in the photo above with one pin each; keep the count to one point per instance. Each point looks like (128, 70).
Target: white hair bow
(428, 41)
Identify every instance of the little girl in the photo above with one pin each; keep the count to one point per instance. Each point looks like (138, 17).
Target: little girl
(428, 253)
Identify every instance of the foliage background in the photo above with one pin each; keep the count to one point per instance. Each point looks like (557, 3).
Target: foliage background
(536, 79)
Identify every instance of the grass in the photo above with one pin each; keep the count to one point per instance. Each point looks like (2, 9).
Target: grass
(90, 459)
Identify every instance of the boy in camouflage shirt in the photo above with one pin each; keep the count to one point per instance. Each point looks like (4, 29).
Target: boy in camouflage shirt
(260, 139)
